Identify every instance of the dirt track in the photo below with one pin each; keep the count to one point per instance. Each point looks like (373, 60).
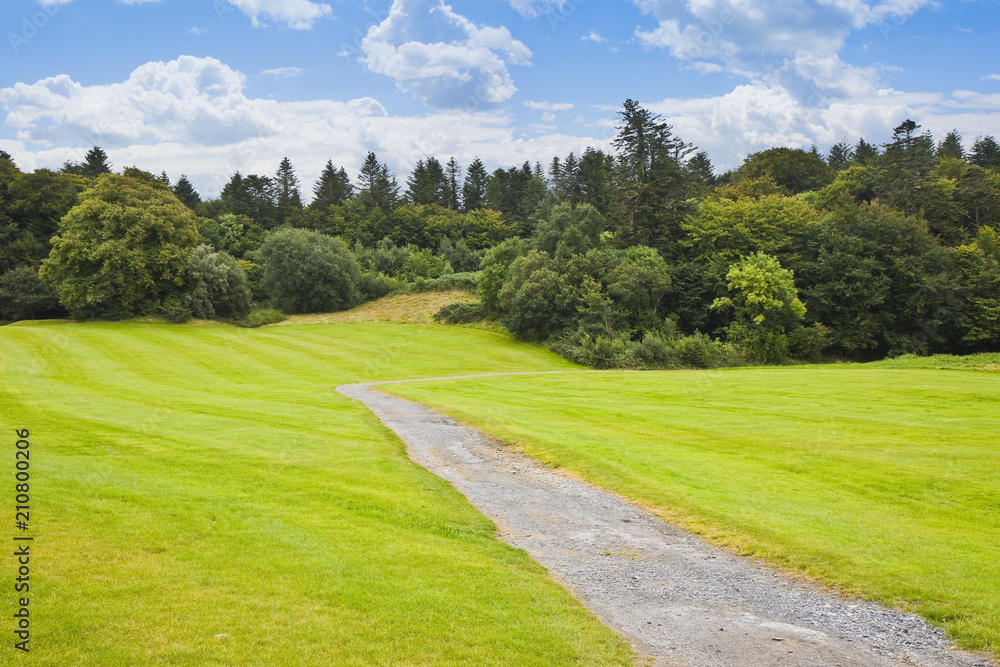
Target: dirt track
(679, 600)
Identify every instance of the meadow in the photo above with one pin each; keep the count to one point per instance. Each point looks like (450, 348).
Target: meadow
(882, 480)
(201, 495)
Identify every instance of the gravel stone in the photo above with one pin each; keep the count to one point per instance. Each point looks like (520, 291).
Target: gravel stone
(679, 600)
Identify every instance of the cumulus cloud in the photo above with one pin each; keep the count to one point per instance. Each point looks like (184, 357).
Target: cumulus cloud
(442, 57)
(991, 77)
(794, 45)
(595, 37)
(192, 116)
(757, 116)
(196, 98)
(296, 14)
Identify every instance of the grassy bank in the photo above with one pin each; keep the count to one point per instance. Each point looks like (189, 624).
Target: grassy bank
(883, 481)
(201, 495)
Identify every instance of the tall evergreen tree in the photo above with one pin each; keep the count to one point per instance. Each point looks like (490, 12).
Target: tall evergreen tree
(184, 191)
(907, 159)
(653, 187)
(985, 153)
(841, 153)
(865, 153)
(95, 163)
(333, 188)
(474, 186)
(453, 175)
(951, 147)
(428, 183)
(252, 196)
(286, 190)
(701, 170)
(377, 185)
(595, 176)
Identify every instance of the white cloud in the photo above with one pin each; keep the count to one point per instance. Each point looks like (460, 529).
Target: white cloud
(296, 14)
(549, 106)
(991, 77)
(195, 30)
(192, 116)
(442, 57)
(795, 46)
(757, 116)
(283, 72)
(595, 37)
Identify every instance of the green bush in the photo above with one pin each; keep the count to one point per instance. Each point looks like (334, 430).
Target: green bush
(375, 285)
(461, 313)
(217, 285)
(466, 281)
(177, 310)
(308, 272)
(23, 295)
(259, 317)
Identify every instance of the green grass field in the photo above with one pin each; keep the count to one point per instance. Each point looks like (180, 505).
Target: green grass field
(883, 481)
(201, 495)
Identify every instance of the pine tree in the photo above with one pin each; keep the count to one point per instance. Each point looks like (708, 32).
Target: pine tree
(95, 163)
(453, 174)
(474, 187)
(378, 187)
(701, 170)
(985, 153)
(864, 152)
(428, 183)
(653, 187)
(841, 153)
(951, 147)
(184, 191)
(596, 174)
(252, 196)
(286, 190)
(332, 189)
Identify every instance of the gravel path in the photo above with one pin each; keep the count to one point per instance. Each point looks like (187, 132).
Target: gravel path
(678, 600)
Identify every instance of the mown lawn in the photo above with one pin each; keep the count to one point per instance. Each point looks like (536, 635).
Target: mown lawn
(885, 482)
(201, 495)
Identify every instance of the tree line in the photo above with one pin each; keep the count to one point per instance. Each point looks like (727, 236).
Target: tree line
(638, 257)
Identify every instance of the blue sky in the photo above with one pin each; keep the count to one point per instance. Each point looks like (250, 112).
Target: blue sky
(209, 87)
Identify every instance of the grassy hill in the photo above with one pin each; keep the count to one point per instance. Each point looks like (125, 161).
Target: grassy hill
(201, 495)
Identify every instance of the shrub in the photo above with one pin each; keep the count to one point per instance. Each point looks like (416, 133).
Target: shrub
(259, 317)
(23, 295)
(461, 313)
(308, 272)
(375, 285)
(217, 285)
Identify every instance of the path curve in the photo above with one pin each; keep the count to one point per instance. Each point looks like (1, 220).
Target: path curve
(679, 600)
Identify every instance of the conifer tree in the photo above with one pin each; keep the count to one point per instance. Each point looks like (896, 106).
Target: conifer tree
(184, 191)
(333, 188)
(474, 186)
